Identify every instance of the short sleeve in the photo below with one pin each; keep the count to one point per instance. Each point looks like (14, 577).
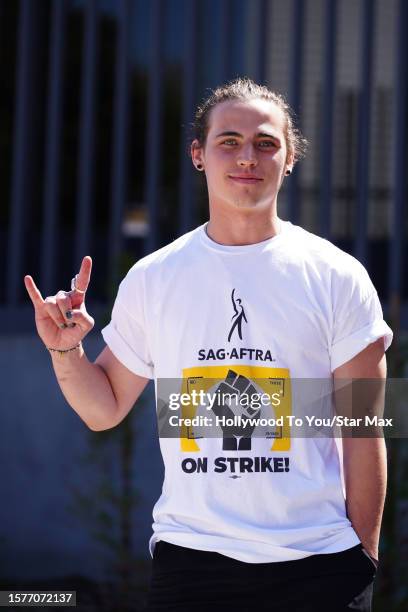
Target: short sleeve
(357, 318)
(126, 334)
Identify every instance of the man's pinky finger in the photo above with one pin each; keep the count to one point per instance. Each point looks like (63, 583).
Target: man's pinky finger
(33, 291)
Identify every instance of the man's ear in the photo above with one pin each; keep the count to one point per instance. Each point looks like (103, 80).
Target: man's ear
(290, 160)
(196, 152)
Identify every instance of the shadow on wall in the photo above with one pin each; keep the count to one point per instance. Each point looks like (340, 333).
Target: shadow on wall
(76, 504)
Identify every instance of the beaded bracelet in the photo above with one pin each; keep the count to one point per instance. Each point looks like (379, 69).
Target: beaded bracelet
(61, 352)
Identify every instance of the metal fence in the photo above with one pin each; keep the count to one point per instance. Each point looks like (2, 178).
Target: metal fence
(97, 100)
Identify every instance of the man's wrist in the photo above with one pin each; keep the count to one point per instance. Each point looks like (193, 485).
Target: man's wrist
(372, 555)
(67, 356)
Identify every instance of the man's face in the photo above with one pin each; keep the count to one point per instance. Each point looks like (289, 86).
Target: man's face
(245, 154)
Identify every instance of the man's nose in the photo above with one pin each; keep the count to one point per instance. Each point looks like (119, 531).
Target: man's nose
(247, 156)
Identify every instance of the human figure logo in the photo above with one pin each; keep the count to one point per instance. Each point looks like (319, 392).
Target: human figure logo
(238, 316)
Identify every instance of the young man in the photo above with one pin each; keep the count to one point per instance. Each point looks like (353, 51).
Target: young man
(245, 521)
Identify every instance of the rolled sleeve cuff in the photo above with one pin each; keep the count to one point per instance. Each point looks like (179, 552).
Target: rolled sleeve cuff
(124, 353)
(349, 347)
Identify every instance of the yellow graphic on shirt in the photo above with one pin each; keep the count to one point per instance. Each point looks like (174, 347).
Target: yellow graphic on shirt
(270, 380)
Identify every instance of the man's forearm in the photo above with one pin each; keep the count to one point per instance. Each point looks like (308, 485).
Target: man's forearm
(365, 473)
(86, 388)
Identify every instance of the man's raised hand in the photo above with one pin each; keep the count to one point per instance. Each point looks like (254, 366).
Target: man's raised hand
(62, 320)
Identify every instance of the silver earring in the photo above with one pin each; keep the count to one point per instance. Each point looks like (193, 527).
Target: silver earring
(199, 166)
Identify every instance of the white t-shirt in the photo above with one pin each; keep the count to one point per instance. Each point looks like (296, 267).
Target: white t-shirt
(291, 307)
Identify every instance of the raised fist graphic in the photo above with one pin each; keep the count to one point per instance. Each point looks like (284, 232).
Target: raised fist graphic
(227, 404)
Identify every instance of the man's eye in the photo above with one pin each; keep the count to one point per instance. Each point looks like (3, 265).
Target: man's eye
(265, 144)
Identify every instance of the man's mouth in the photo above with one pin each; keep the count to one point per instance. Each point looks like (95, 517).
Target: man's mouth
(247, 179)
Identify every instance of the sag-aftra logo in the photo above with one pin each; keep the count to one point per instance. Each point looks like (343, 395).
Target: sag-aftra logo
(239, 322)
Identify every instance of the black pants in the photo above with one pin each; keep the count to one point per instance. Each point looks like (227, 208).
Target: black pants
(190, 580)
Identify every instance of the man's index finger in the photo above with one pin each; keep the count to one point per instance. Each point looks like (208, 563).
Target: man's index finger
(84, 275)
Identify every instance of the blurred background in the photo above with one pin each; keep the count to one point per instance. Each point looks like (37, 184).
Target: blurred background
(97, 98)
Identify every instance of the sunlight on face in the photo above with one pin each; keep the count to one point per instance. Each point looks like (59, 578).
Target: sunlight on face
(245, 154)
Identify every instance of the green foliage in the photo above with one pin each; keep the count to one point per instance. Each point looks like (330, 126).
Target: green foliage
(107, 506)
(391, 592)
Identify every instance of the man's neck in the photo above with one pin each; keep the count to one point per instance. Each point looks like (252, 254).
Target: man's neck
(242, 231)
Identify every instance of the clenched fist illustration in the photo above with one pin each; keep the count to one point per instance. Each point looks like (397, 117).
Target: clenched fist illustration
(227, 404)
